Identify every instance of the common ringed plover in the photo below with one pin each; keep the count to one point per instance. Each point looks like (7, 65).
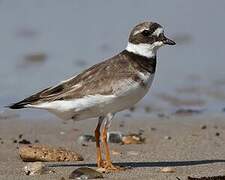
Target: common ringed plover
(106, 88)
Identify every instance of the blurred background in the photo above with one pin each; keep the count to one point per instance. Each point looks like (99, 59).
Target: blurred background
(43, 42)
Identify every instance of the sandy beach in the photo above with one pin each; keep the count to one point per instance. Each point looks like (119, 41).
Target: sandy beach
(195, 146)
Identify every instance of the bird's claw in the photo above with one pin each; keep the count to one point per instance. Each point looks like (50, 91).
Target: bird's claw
(106, 167)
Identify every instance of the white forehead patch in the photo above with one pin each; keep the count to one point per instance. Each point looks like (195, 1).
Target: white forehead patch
(158, 31)
(139, 31)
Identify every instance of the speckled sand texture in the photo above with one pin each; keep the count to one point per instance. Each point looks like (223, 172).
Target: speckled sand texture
(196, 147)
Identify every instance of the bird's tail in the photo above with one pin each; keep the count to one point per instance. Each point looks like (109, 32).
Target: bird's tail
(18, 105)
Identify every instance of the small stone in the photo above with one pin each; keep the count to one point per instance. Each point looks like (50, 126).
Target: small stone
(62, 132)
(217, 134)
(114, 137)
(85, 173)
(168, 170)
(132, 109)
(14, 141)
(167, 137)
(38, 152)
(132, 153)
(36, 141)
(203, 127)
(20, 136)
(114, 152)
(133, 139)
(24, 141)
(85, 138)
(35, 168)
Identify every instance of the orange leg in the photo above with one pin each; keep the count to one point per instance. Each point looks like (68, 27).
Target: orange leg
(107, 151)
(107, 164)
(97, 138)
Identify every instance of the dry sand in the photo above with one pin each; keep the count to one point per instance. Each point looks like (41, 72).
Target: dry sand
(191, 151)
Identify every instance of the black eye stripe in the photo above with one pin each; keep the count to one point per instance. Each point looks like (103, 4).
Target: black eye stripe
(146, 33)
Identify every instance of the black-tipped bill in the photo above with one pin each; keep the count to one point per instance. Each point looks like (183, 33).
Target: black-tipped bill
(168, 41)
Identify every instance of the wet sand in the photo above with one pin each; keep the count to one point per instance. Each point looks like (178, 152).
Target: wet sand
(196, 147)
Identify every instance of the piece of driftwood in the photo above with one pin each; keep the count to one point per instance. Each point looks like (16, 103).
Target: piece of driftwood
(37, 152)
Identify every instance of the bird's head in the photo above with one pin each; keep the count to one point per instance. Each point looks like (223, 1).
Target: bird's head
(146, 38)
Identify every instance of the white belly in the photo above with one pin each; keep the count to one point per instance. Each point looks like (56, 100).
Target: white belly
(128, 93)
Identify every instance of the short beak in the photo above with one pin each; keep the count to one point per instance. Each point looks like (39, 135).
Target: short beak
(168, 41)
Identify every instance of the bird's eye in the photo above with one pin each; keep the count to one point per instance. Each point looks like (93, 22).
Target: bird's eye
(146, 32)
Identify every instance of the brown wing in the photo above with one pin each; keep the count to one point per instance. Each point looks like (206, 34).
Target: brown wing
(98, 79)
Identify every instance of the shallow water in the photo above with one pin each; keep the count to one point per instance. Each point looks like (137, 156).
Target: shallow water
(72, 35)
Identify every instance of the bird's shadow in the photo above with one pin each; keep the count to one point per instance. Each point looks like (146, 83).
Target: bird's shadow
(145, 164)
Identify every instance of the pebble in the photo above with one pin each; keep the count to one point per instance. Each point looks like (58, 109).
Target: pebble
(36, 141)
(85, 138)
(167, 137)
(20, 136)
(133, 139)
(62, 132)
(39, 152)
(85, 173)
(35, 168)
(168, 170)
(203, 127)
(24, 141)
(217, 134)
(114, 137)
(132, 109)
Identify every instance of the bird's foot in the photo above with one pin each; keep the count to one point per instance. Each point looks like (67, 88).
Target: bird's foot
(106, 167)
